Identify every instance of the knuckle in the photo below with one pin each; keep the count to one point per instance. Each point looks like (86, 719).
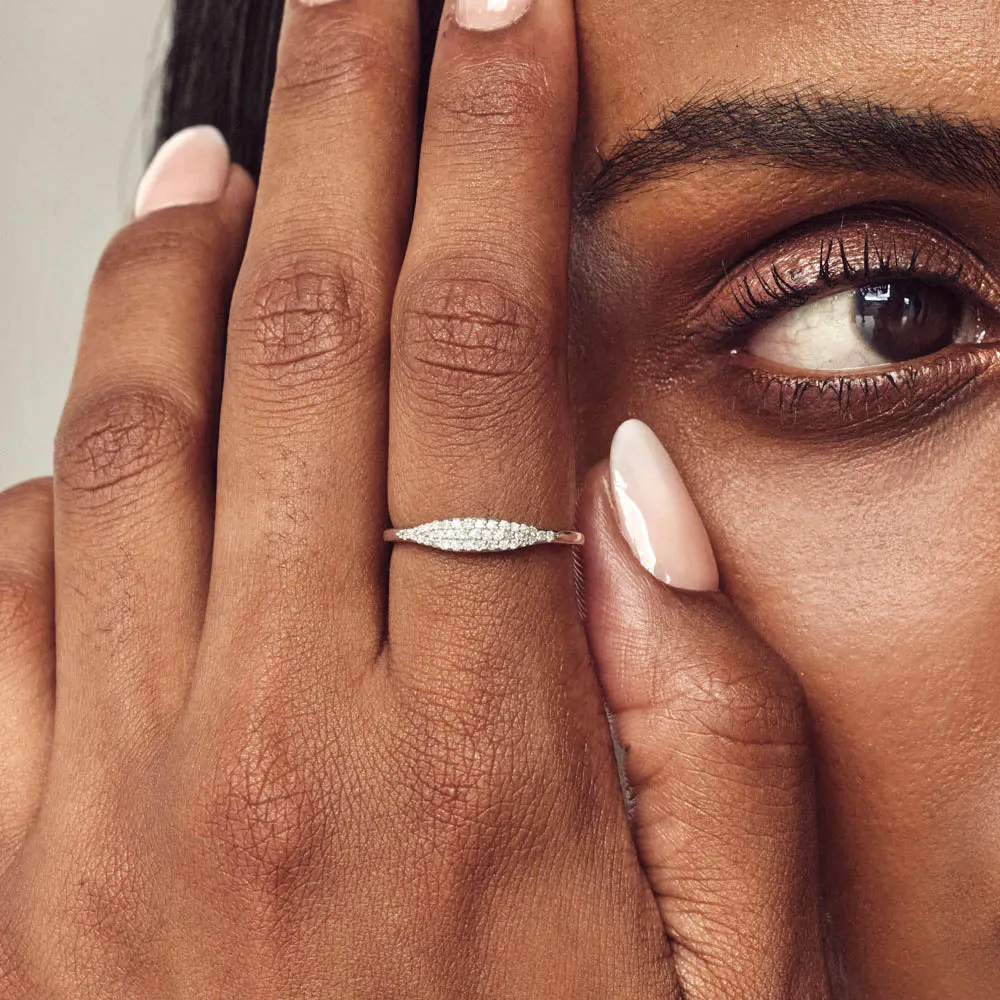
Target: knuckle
(340, 57)
(506, 93)
(27, 500)
(126, 437)
(750, 704)
(453, 336)
(265, 813)
(13, 965)
(25, 566)
(24, 607)
(472, 783)
(147, 247)
(91, 904)
(108, 900)
(300, 327)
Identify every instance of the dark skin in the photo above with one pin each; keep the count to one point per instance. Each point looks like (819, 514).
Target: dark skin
(297, 768)
(864, 551)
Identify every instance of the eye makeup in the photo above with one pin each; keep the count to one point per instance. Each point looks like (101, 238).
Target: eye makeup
(885, 253)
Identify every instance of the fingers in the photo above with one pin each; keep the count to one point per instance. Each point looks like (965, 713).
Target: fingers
(135, 452)
(714, 729)
(27, 661)
(479, 416)
(303, 432)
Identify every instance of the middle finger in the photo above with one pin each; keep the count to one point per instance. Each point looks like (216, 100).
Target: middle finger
(301, 494)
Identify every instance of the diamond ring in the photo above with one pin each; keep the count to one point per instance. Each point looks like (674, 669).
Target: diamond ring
(480, 534)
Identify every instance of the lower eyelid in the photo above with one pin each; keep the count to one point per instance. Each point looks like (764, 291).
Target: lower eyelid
(793, 270)
(834, 404)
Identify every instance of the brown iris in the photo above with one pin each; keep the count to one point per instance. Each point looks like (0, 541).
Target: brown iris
(907, 319)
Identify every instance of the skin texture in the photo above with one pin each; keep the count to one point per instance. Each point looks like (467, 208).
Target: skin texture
(281, 763)
(866, 555)
(278, 758)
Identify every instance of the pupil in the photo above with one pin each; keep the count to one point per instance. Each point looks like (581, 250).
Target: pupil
(907, 319)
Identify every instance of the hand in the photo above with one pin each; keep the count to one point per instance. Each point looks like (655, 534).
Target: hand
(260, 761)
(714, 728)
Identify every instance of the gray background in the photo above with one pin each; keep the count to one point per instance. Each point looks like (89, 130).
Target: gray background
(77, 100)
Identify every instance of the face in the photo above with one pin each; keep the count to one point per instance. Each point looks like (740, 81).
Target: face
(799, 292)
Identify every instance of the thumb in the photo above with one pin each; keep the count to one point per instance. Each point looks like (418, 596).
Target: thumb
(713, 726)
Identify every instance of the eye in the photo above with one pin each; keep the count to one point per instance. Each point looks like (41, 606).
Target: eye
(879, 324)
(870, 318)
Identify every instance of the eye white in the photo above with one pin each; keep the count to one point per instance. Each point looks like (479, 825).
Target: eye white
(822, 335)
(867, 327)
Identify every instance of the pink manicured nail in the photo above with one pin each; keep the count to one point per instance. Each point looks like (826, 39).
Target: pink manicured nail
(192, 168)
(656, 512)
(488, 15)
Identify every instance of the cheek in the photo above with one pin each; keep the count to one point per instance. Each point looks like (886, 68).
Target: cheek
(874, 569)
(874, 572)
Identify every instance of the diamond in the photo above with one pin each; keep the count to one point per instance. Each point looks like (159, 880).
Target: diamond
(476, 534)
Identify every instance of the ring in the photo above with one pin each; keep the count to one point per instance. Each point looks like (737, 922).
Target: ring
(480, 534)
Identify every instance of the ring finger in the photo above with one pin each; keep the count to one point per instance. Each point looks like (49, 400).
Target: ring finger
(479, 419)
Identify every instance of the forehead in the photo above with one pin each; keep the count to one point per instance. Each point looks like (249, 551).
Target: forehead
(638, 55)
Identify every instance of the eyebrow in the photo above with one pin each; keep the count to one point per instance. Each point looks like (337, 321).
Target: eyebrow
(802, 130)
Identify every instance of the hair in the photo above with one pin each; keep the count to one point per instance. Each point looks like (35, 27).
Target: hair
(220, 69)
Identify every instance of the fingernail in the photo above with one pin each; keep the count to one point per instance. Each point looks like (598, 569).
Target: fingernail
(192, 168)
(488, 15)
(656, 512)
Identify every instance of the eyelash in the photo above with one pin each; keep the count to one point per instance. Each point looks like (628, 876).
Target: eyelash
(781, 293)
(861, 398)
(756, 293)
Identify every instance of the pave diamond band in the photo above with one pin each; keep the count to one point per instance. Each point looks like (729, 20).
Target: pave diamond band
(480, 534)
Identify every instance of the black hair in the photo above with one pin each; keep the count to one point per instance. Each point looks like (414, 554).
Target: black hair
(220, 69)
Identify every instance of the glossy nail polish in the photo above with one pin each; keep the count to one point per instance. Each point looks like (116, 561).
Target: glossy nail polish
(656, 512)
(192, 168)
(489, 15)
